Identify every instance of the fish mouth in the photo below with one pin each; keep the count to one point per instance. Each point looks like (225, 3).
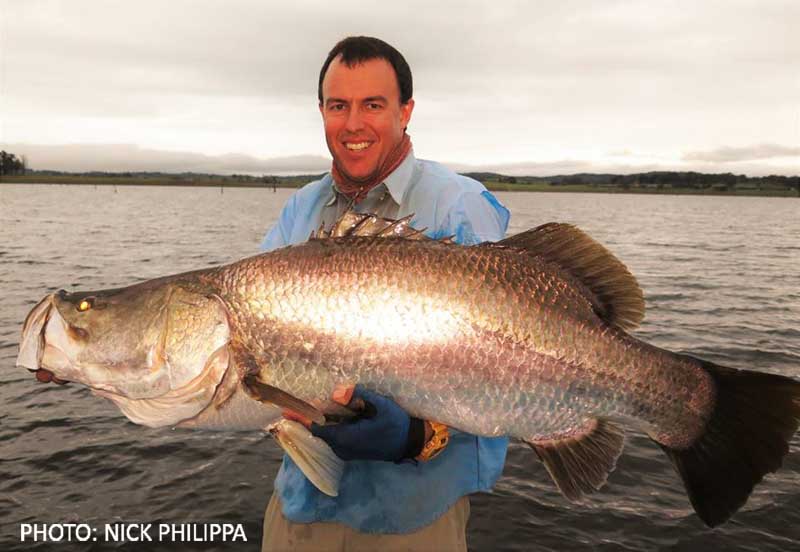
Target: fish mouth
(43, 375)
(33, 345)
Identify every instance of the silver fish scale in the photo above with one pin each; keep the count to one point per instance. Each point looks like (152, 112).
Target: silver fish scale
(488, 340)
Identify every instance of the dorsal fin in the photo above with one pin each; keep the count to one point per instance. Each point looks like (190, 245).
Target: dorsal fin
(398, 228)
(619, 296)
(347, 223)
(351, 223)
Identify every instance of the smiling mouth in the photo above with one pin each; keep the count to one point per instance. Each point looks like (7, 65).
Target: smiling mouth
(357, 146)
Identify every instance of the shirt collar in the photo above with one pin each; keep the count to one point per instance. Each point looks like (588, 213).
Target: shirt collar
(397, 182)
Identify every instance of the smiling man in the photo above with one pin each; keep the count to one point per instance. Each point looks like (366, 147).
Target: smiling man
(366, 115)
(406, 480)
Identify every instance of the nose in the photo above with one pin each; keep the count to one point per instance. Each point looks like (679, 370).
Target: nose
(354, 122)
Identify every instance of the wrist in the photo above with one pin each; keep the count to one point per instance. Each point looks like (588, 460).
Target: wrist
(428, 431)
(417, 437)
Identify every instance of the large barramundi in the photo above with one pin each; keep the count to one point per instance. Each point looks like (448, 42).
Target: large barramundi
(525, 337)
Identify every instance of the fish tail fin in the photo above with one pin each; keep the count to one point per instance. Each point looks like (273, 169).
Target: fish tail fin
(746, 437)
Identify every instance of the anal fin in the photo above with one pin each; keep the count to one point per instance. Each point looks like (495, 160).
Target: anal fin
(312, 455)
(579, 462)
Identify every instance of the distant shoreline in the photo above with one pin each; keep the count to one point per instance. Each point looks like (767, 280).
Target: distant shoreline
(296, 182)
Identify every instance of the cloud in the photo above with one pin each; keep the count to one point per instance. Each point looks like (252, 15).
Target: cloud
(129, 157)
(578, 166)
(634, 83)
(530, 168)
(747, 153)
(133, 158)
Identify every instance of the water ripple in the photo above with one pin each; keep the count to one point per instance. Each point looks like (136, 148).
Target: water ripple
(724, 288)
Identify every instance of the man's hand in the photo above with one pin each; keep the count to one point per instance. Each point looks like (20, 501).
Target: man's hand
(386, 432)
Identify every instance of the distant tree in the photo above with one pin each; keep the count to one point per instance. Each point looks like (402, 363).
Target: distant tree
(9, 164)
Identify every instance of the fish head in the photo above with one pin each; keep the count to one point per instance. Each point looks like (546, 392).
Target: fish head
(100, 339)
(157, 349)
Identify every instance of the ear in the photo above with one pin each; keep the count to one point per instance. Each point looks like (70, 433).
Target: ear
(322, 110)
(405, 112)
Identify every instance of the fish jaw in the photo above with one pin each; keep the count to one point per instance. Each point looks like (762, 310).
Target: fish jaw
(31, 344)
(33, 347)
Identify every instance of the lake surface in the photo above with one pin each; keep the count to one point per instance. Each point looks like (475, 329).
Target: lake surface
(721, 277)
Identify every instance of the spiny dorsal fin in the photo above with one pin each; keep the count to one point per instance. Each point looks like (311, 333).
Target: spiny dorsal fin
(399, 228)
(352, 223)
(370, 226)
(580, 463)
(347, 223)
(619, 295)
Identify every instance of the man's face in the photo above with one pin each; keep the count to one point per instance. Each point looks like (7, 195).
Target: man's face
(364, 119)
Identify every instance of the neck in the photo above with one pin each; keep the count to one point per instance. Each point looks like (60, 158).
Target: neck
(357, 190)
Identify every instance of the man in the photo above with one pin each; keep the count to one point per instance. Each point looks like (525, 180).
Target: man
(406, 480)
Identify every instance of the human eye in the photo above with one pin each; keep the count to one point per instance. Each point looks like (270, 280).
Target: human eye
(336, 107)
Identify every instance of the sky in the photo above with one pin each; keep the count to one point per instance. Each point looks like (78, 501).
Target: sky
(529, 87)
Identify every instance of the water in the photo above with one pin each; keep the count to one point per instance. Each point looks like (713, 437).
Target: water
(720, 277)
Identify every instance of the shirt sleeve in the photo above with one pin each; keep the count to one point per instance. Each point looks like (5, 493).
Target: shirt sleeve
(475, 217)
(280, 234)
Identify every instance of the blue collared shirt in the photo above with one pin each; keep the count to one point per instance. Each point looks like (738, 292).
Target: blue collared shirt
(383, 497)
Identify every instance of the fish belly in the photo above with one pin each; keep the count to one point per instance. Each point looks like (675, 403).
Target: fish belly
(238, 413)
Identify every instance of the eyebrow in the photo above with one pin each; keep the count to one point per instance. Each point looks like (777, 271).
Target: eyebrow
(365, 100)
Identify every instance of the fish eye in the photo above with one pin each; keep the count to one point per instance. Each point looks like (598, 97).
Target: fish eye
(85, 304)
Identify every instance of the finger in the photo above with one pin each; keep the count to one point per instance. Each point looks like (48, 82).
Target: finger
(367, 404)
(326, 433)
(297, 417)
(342, 393)
(362, 396)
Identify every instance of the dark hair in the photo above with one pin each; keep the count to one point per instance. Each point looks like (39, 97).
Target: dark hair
(358, 49)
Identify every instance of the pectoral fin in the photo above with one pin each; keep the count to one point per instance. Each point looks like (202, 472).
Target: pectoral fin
(311, 454)
(267, 393)
(580, 462)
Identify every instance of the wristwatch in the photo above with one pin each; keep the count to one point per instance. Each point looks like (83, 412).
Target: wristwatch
(436, 444)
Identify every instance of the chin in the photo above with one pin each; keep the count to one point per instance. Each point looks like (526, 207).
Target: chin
(358, 173)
